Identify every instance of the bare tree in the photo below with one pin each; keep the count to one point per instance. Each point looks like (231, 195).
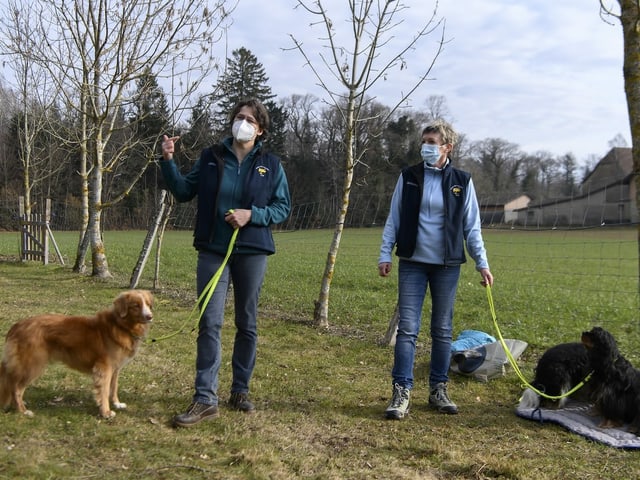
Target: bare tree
(436, 107)
(96, 51)
(617, 141)
(303, 169)
(7, 171)
(348, 75)
(628, 14)
(35, 97)
(500, 163)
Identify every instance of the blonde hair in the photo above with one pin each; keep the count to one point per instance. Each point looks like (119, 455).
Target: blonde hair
(444, 129)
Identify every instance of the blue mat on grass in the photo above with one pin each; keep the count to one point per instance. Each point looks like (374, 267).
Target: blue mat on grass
(575, 418)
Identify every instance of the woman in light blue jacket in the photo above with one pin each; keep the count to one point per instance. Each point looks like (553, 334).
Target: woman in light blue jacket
(434, 213)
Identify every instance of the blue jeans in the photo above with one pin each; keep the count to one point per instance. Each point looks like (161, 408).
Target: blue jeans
(247, 274)
(413, 280)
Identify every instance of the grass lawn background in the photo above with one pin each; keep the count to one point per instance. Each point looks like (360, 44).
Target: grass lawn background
(320, 393)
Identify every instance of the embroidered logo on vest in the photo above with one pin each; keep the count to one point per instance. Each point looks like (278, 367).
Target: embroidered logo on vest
(262, 170)
(456, 190)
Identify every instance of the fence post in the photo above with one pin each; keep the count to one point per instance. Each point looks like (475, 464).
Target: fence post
(43, 232)
(35, 234)
(151, 235)
(23, 227)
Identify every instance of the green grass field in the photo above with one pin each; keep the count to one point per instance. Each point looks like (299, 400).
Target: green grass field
(320, 394)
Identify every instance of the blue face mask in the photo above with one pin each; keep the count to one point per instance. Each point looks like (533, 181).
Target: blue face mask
(430, 154)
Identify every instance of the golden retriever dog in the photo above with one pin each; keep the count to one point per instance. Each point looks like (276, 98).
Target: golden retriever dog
(99, 345)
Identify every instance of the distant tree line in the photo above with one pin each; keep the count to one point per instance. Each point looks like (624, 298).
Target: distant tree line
(305, 133)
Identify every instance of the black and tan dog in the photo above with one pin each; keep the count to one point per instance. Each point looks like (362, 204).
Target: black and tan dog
(558, 371)
(615, 383)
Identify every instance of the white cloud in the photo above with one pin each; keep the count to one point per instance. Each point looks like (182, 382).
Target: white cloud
(545, 75)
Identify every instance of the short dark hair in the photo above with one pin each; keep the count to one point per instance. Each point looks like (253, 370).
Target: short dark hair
(259, 112)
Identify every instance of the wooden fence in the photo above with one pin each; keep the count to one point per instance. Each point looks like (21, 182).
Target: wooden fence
(35, 234)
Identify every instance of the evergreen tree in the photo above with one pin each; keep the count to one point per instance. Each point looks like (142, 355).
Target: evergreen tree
(200, 133)
(148, 120)
(151, 109)
(277, 130)
(402, 137)
(244, 77)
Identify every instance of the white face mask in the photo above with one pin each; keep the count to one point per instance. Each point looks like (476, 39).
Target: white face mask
(243, 131)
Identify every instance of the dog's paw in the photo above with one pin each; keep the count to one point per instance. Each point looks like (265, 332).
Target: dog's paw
(529, 399)
(108, 414)
(28, 413)
(608, 423)
(119, 405)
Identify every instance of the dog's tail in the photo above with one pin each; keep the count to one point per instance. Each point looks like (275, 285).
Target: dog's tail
(529, 399)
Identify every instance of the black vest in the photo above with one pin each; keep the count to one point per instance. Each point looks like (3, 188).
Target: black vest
(257, 191)
(454, 185)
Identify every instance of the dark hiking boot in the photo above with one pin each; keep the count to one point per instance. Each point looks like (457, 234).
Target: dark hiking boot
(240, 401)
(195, 414)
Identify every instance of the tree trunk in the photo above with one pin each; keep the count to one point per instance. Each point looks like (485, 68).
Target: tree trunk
(100, 266)
(79, 265)
(321, 312)
(390, 337)
(83, 241)
(81, 253)
(630, 19)
(163, 228)
(148, 241)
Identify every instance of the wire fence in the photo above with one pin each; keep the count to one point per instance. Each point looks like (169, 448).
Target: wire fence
(363, 211)
(596, 261)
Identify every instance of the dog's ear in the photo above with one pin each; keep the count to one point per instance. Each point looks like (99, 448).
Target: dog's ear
(120, 304)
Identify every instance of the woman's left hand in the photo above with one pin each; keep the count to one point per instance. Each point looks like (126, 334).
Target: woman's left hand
(487, 278)
(238, 218)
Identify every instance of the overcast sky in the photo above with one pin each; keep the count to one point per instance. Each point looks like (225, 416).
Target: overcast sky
(543, 74)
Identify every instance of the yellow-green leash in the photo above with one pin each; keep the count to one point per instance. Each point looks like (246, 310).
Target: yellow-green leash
(205, 296)
(514, 364)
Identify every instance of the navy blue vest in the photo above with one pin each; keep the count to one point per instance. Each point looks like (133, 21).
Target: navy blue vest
(257, 191)
(454, 186)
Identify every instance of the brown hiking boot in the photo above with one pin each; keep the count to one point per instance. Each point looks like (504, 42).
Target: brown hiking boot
(195, 414)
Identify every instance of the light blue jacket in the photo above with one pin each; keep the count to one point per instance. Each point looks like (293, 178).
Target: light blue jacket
(430, 243)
